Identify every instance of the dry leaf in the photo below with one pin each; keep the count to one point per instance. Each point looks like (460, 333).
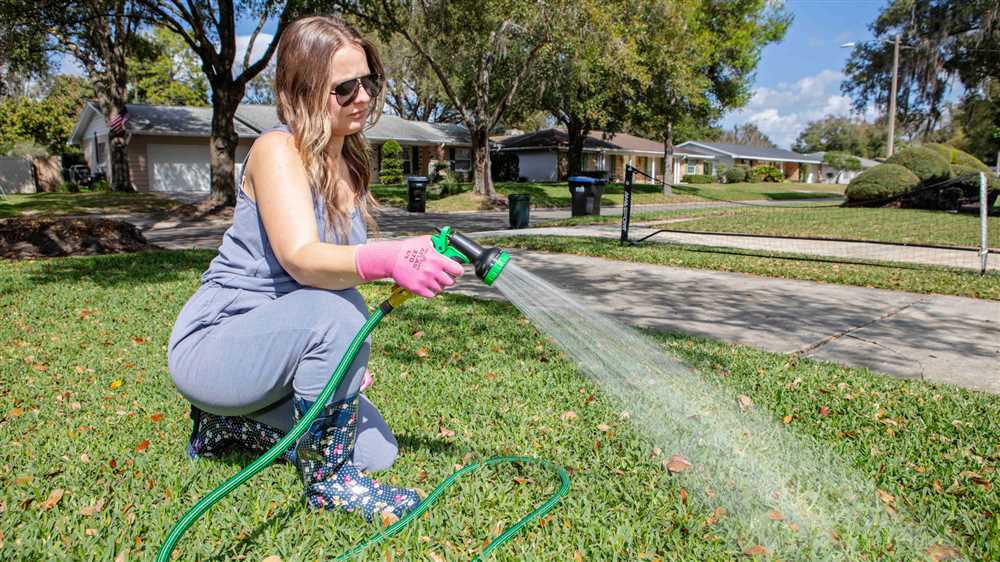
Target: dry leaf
(602, 427)
(138, 341)
(889, 500)
(677, 464)
(15, 412)
(84, 458)
(756, 550)
(937, 486)
(577, 556)
(388, 518)
(142, 446)
(423, 352)
(794, 526)
(775, 516)
(421, 475)
(75, 406)
(684, 496)
(568, 415)
(787, 419)
(53, 499)
(90, 532)
(122, 556)
(418, 334)
(435, 557)
(443, 431)
(24, 480)
(89, 510)
(940, 552)
(824, 411)
(156, 417)
(117, 383)
(744, 401)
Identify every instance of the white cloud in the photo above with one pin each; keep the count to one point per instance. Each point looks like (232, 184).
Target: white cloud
(783, 111)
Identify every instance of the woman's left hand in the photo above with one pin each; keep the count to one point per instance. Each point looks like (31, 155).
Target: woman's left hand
(366, 379)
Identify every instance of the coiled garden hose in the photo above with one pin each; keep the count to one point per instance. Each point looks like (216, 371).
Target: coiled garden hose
(397, 297)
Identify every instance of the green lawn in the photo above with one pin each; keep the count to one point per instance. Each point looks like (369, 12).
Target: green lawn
(910, 226)
(556, 194)
(87, 408)
(789, 266)
(55, 204)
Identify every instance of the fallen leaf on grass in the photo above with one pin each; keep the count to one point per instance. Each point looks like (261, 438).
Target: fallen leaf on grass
(436, 557)
(787, 419)
(423, 352)
(89, 510)
(443, 431)
(53, 499)
(418, 334)
(940, 552)
(90, 532)
(889, 500)
(138, 341)
(568, 415)
(15, 412)
(142, 446)
(775, 516)
(824, 410)
(603, 427)
(156, 417)
(756, 550)
(577, 556)
(716, 515)
(744, 401)
(117, 383)
(677, 464)
(24, 480)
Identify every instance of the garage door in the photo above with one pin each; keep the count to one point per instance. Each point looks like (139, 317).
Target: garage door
(179, 167)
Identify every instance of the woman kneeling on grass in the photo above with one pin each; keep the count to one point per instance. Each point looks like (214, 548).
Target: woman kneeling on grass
(277, 308)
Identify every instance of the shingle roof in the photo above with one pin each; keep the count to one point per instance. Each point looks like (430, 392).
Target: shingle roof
(552, 138)
(751, 152)
(251, 120)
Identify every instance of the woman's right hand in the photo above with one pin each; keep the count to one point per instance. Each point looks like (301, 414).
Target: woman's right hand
(413, 263)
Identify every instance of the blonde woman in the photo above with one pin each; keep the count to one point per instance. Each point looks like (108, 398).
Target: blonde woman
(277, 307)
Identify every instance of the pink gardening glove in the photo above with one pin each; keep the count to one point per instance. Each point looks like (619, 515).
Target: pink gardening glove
(413, 263)
(366, 380)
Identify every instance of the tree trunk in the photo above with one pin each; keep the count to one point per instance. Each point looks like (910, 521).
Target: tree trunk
(223, 146)
(481, 156)
(577, 133)
(668, 160)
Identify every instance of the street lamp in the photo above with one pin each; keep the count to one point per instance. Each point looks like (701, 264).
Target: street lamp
(892, 95)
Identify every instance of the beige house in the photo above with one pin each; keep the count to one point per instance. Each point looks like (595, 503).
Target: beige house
(542, 156)
(168, 146)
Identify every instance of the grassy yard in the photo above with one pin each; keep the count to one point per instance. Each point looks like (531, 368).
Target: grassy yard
(93, 461)
(55, 204)
(910, 226)
(556, 194)
(810, 268)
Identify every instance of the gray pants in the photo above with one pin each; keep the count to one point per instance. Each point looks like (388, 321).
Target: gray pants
(244, 353)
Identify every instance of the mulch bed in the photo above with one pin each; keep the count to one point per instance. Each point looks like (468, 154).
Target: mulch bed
(29, 237)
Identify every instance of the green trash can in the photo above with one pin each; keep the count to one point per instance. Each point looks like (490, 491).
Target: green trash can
(519, 205)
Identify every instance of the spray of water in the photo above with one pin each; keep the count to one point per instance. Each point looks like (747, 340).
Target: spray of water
(742, 460)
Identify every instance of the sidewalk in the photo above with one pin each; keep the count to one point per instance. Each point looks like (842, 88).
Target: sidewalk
(935, 338)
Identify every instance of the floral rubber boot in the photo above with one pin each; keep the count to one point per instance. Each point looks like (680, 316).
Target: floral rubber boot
(212, 435)
(331, 479)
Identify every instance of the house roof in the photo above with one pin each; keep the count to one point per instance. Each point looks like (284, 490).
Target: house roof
(595, 141)
(252, 120)
(752, 152)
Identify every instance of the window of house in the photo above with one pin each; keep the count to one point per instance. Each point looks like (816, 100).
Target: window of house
(691, 169)
(461, 159)
(406, 155)
(101, 156)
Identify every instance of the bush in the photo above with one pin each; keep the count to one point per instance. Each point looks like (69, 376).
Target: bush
(392, 165)
(768, 174)
(957, 157)
(101, 185)
(697, 178)
(449, 186)
(735, 174)
(925, 163)
(881, 182)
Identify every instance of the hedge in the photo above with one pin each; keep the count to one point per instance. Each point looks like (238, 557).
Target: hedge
(957, 157)
(925, 163)
(735, 174)
(767, 174)
(881, 182)
(697, 178)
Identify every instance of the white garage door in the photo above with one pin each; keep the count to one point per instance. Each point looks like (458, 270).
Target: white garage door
(179, 167)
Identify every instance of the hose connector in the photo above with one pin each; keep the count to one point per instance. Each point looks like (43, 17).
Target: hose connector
(488, 262)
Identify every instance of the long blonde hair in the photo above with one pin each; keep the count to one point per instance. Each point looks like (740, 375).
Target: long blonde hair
(303, 85)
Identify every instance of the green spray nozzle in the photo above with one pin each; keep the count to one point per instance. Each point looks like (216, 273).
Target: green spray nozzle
(489, 262)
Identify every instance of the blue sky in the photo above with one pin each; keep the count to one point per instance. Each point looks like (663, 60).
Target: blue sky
(798, 80)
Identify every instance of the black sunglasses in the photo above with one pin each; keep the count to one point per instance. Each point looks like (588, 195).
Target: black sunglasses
(348, 90)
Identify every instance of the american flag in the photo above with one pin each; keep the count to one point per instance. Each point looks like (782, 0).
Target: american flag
(117, 125)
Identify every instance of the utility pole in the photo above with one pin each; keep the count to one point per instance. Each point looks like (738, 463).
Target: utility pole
(892, 97)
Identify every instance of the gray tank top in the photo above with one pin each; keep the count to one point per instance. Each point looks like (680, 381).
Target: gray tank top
(246, 260)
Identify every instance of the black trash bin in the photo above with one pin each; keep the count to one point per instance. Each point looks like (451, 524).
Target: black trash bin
(416, 201)
(519, 205)
(586, 195)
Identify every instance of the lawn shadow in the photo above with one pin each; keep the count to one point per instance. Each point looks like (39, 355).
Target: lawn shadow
(432, 445)
(114, 270)
(231, 550)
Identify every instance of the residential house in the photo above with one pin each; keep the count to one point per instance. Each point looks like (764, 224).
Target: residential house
(829, 174)
(168, 148)
(796, 167)
(543, 155)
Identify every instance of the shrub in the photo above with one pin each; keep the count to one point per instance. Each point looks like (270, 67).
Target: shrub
(438, 168)
(957, 157)
(881, 182)
(449, 186)
(768, 174)
(925, 163)
(100, 185)
(736, 174)
(392, 165)
(697, 178)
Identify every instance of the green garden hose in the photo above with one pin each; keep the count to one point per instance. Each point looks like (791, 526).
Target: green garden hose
(398, 297)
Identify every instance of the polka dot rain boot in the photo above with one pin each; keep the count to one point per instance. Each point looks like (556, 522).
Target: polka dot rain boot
(212, 435)
(330, 477)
